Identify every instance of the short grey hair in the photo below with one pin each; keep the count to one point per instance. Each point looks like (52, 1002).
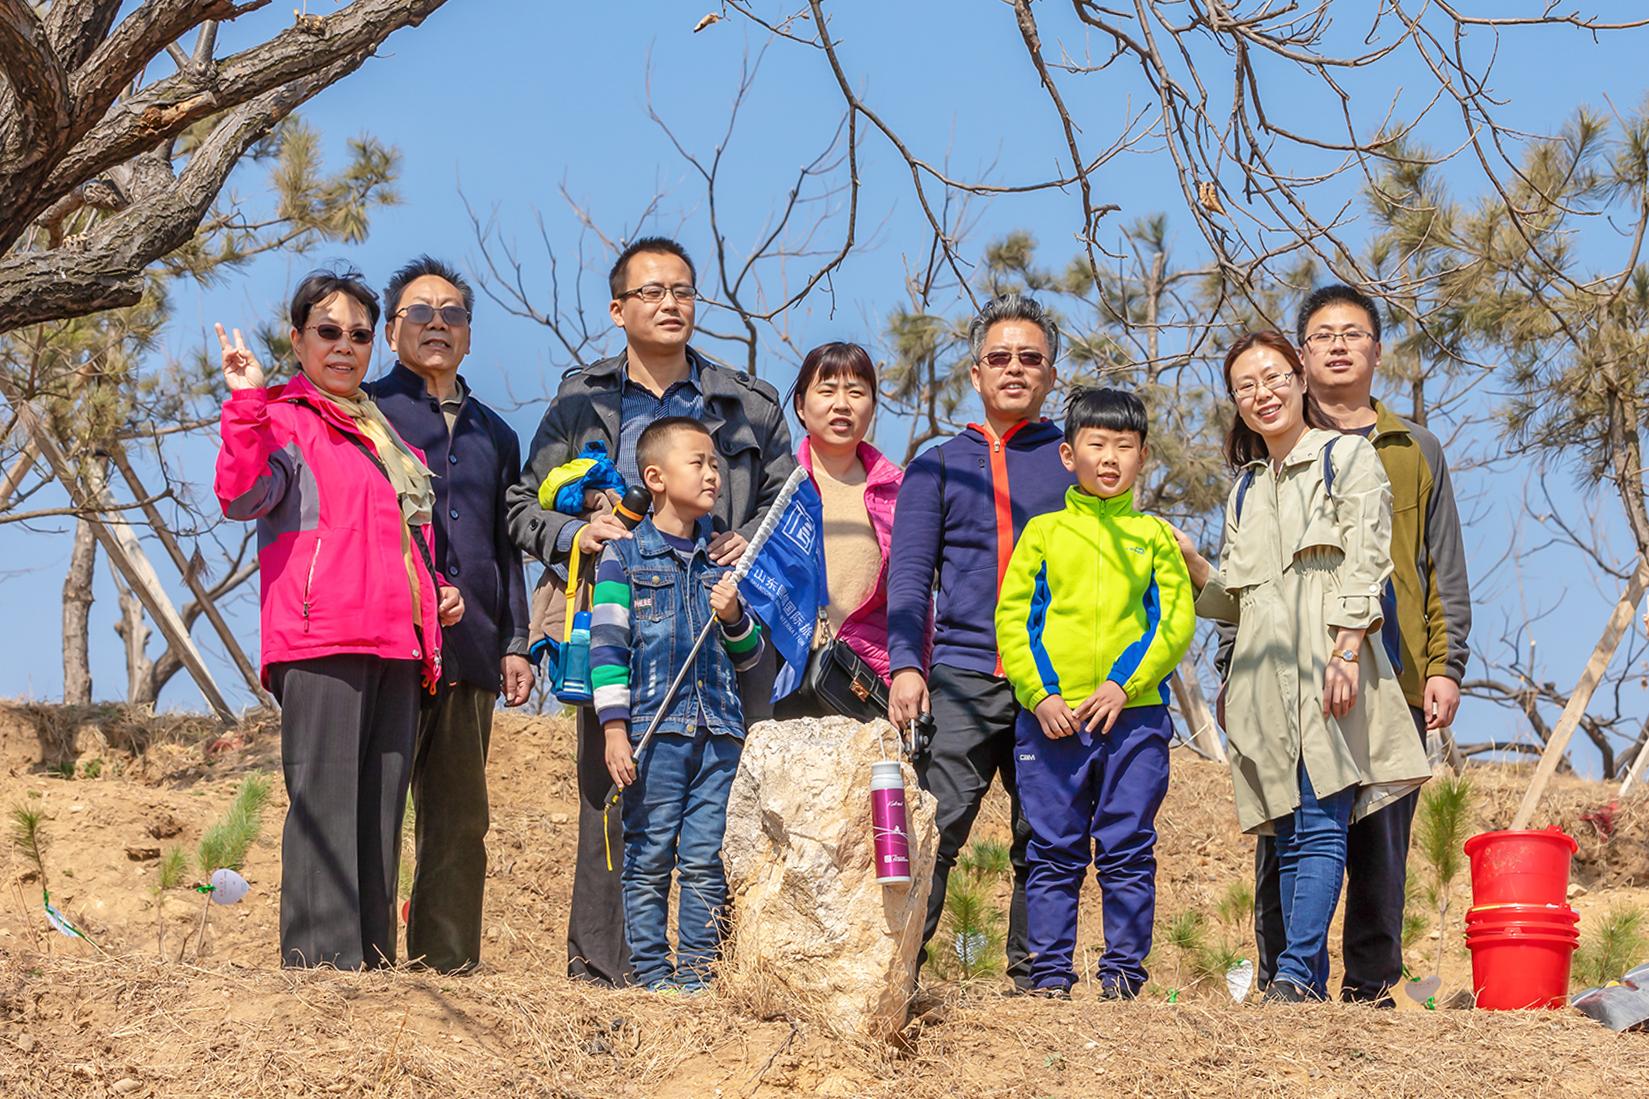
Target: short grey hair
(1013, 307)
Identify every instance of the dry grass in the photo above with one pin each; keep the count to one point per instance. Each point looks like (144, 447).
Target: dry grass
(65, 732)
(82, 1026)
(79, 1025)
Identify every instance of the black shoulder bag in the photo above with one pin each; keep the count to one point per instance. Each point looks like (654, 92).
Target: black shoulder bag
(842, 680)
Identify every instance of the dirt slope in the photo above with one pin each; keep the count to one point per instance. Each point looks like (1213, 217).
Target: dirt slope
(226, 1021)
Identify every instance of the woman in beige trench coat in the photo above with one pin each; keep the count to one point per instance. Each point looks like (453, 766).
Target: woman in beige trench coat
(1319, 731)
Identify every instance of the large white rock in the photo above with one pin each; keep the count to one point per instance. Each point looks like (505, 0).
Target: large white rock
(814, 934)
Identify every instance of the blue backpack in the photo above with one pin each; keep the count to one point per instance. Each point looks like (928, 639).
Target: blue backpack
(1390, 637)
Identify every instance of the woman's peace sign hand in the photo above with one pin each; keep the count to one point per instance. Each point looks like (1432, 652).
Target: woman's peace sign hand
(240, 369)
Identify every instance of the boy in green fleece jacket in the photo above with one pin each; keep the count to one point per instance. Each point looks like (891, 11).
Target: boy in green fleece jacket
(1095, 613)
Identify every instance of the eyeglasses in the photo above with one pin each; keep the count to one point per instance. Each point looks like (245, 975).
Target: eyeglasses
(331, 333)
(1030, 360)
(653, 293)
(1277, 382)
(453, 316)
(1353, 337)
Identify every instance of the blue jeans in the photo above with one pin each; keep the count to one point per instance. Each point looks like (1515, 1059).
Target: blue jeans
(1311, 858)
(674, 816)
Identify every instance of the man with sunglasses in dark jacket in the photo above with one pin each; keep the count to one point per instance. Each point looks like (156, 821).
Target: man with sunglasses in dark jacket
(961, 509)
(476, 458)
(654, 302)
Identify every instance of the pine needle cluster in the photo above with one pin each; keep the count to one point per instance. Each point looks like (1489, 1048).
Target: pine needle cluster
(972, 931)
(227, 841)
(1616, 943)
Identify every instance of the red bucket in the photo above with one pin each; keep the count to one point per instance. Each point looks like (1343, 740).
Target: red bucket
(1522, 867)
(1518, 967)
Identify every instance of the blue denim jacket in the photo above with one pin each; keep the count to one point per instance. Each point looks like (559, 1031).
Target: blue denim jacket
(669, 605)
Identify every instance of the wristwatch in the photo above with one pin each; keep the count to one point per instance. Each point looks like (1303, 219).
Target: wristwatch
(1348, 655)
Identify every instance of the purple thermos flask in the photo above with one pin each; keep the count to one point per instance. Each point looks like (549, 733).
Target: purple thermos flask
(887, 821)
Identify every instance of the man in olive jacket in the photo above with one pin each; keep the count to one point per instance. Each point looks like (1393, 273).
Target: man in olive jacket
(612, 401)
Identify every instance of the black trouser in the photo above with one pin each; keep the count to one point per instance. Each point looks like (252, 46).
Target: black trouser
(449, 795)
(596, 950)
(1377, 849)
(973, 742)
(347, 729)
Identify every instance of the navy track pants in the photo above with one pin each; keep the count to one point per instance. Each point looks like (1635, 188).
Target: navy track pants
(1093, 799)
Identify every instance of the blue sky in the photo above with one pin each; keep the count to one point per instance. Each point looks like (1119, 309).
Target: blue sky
(503, 102)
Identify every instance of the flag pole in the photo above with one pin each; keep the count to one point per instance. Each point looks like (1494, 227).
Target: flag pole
(769, 523)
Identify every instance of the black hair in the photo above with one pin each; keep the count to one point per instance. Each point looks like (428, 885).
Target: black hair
(321, 284)
(1105, 409)
(833, 360)
(615, 277)
(1325, 296)
(658, 435)
(418, 268)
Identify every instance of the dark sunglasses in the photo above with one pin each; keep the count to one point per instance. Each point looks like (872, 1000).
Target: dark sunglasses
(1028, 359)
(453, 316)
(331, 333)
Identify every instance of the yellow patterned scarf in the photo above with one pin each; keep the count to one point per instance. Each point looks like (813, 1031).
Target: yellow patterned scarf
(412, 479)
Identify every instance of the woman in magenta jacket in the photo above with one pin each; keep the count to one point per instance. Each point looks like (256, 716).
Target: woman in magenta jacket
(835, 398)
(350, 610)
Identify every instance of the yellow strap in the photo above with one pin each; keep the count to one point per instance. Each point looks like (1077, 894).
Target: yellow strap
(606, 838)
(572, 594)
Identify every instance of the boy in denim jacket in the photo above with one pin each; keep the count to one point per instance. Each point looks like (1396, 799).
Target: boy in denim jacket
(653, 594)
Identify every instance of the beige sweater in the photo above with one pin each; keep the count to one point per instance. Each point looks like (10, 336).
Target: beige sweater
(853, 557)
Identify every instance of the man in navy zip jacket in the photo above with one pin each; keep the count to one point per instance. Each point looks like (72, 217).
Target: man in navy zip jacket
(961, 508)
(476, 458)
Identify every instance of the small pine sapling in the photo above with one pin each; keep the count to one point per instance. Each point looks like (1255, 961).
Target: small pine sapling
(1615, 943)
(1440, 833)
(1236, 908)
(986, 860)
(226, 843)
(972, 923)
(170, 873)
(1187, 935)
(29, 837)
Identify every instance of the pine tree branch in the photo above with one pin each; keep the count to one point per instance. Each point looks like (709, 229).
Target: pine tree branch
(86, 131)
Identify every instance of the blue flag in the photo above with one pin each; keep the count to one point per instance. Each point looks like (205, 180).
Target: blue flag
(786, 585)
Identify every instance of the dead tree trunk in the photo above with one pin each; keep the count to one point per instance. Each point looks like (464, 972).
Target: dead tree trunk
(133, 628)
(77, 612)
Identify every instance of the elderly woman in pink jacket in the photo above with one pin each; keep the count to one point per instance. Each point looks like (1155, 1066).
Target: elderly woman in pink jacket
(350, 611)
(835, 398)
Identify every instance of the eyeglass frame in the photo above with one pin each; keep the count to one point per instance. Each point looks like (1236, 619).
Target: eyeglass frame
(1285, 381)
(1352, 336)
(640, 293)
